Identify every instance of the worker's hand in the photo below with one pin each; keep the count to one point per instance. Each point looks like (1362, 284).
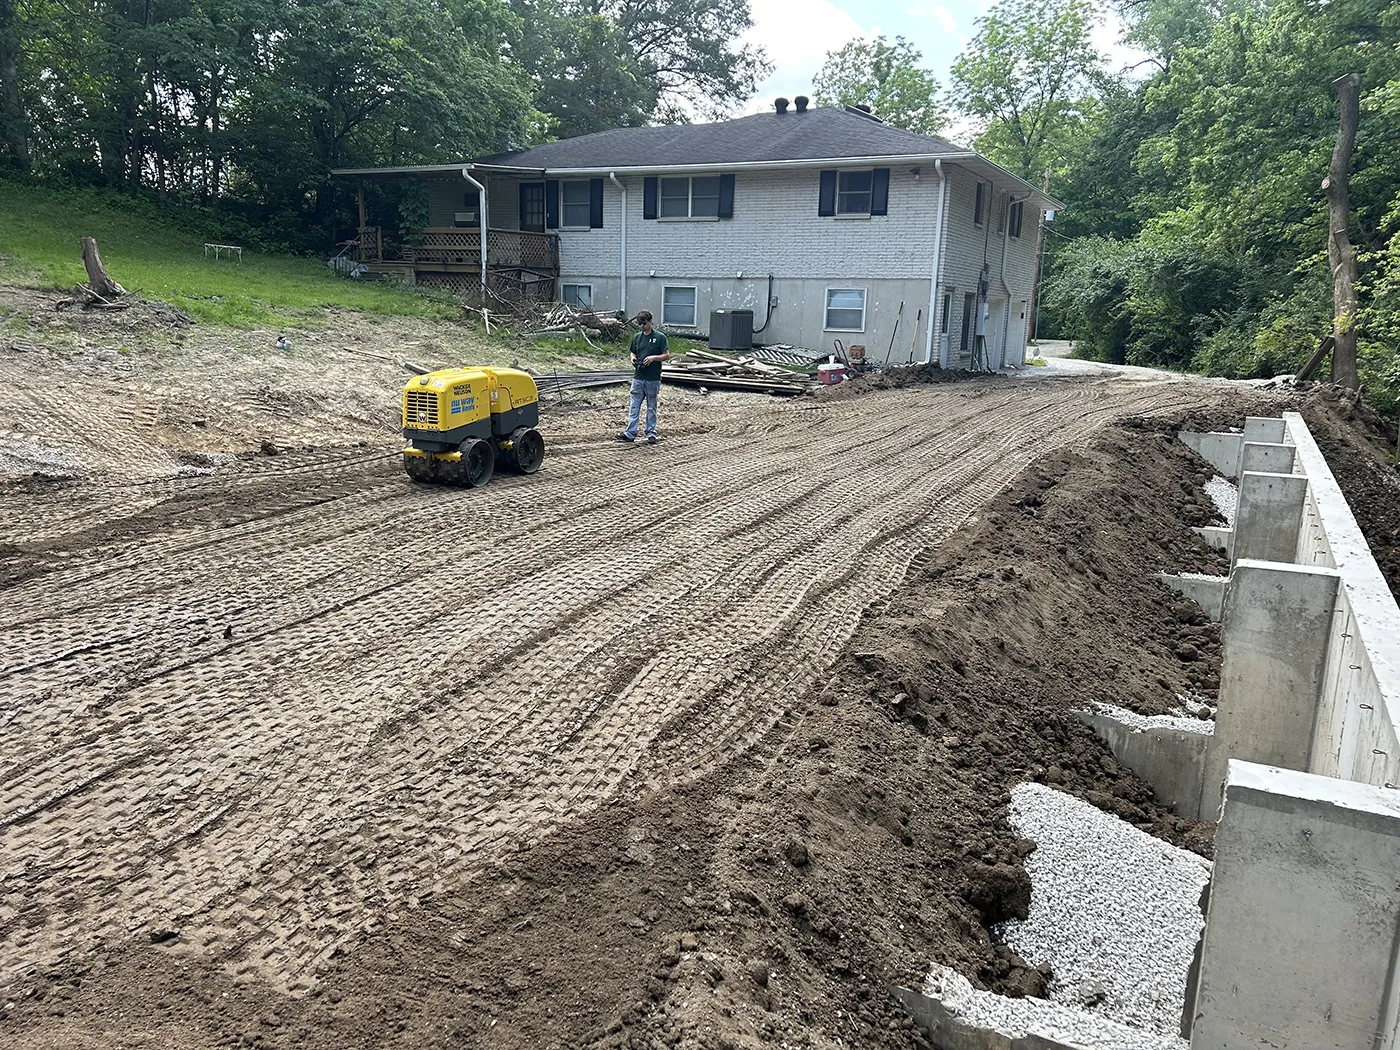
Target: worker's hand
(634, 360)
(647, 360)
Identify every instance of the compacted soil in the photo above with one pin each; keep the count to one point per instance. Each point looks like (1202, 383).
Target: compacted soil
(704, 744)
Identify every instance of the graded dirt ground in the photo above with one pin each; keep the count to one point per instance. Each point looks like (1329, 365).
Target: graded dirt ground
(695, 745)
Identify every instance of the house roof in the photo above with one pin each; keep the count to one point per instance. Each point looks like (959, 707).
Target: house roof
(825, 133)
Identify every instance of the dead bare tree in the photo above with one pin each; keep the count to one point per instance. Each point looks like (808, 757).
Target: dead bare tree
(98, 279)
(1341, 256)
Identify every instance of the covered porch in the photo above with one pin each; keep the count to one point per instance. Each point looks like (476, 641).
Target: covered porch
(447, 250)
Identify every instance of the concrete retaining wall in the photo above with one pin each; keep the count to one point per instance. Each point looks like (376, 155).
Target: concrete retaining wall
(1303, 922)
(1171, 760)
(1357, 732)
(947, 1031)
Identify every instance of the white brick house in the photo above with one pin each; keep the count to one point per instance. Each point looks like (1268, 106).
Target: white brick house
(843, 217)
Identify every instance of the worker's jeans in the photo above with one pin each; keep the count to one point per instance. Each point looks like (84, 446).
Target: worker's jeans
(651, 390)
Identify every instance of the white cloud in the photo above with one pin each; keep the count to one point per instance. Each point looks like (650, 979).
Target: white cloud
(797, 34)
(937, 12)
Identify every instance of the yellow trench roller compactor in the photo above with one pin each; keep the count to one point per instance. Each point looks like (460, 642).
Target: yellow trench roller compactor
(461, 422)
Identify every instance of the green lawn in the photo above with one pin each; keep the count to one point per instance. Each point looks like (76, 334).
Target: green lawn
(158, 258)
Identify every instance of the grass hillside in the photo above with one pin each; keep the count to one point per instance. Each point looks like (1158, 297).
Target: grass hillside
(158, 257)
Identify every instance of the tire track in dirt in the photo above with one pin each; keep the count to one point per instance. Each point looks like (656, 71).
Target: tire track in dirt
(366, 747)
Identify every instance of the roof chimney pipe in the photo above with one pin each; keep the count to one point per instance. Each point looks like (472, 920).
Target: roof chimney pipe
(801, 102)
(780, 104)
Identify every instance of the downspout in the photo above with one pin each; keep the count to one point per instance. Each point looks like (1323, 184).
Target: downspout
(622, 274)
(481, 219)
(937, 264)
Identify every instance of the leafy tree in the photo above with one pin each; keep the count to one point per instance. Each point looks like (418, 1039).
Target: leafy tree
(1023, 75)
(600, 64)
(888, 78)
(14, 124)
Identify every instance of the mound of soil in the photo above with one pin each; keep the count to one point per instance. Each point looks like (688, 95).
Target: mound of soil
(902, 376)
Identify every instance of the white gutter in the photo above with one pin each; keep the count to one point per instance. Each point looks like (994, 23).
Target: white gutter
(937, 264)
(765, 165)
(481, 218)
(622, 272)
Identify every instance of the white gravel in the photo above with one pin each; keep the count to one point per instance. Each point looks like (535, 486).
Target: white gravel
(1016, 1018)
(1114, 911)
(1109, 904)
(1226, 497)
(1137, 721)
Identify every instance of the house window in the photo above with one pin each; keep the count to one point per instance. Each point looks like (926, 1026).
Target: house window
(678, 304)
(690, 198)
(1017, 213)
(979, 209)
(969, 304)
(578, 204)
(845, 309)
(579, 296)
(947, 307)
(853, 192)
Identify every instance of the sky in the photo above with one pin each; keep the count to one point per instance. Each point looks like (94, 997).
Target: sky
(797, 34)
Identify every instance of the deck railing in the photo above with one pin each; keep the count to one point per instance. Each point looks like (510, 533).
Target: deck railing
(462, 246)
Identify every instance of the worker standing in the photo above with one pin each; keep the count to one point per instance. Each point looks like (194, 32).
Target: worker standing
(649, 350)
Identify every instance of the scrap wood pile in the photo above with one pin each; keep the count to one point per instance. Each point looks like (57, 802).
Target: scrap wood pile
(698, 369)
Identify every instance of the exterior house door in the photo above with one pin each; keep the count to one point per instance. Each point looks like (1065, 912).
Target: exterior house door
(1016, 335)
(532, 206)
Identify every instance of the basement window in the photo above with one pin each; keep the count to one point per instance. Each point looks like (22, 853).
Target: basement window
(678, 305)
(845, 309)
(579, 296)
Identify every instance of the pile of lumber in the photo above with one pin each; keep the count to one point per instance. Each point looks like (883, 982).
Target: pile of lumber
(698, 369)
(702, 369)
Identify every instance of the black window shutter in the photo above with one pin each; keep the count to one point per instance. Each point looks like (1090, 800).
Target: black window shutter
(977, 211)
(880, 192)
(726, 196)
(826, 201)
(649, 197)
(551, 204)
(521, 212)
(595, 203)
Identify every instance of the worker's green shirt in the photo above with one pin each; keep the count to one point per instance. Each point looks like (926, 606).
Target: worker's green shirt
(644, 346)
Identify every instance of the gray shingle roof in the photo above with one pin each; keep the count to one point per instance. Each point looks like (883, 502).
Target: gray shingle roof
(819, 134)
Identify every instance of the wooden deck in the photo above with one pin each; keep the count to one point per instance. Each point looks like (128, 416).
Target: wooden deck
(455, 250)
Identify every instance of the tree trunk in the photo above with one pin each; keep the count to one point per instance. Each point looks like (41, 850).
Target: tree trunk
(15, 122)
(98, 280)
(1341, 256)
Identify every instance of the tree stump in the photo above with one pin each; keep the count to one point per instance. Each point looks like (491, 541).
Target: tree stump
(98, 279)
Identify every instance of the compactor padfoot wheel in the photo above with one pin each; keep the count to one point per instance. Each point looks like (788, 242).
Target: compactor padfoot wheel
(526, 451)
(474, 466)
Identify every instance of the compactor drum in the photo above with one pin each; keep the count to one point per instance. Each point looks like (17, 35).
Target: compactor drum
(461, 423)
